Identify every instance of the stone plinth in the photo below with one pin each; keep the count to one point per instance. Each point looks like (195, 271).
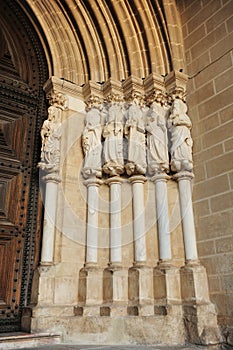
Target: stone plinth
(141, 299)
(199, 313)
(104, 330)
(90, 290)
(115, 291)
(167, 285)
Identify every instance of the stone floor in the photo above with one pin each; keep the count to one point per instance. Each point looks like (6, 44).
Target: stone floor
(130, 347)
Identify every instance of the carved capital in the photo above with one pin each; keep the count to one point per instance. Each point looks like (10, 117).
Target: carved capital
(51, 177)
(183, 175)
(157, 96)
(93, 181)
(160, 177)
(177, 93)
(57, 99)
(137, 179)
(114, 98)
(94, 101)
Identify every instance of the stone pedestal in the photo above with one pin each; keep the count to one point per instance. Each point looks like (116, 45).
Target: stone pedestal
(90, 293)
(141, 298)
(167, 285)
(199, 313)
(115, 291)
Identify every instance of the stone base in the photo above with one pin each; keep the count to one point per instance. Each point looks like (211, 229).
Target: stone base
(115, 282)
(201, 324)
(167, 285)
(199, 313)
(104, 330)
(141, 289)
(90, 286)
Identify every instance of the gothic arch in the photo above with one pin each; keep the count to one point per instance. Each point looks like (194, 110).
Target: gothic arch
(98, 40)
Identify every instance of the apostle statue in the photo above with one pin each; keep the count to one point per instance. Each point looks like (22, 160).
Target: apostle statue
(135, 133)
(157, 149)
(91, 143)
(50, 137)
(113, 145)
(179, 125)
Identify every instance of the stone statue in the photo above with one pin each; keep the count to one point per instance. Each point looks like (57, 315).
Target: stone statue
(91, 143)
(157, 150)
(50, 136)
(179, 126)
(135, 133)
(113, 145)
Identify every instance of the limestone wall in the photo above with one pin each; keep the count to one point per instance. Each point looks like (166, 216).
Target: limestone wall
(208, 36)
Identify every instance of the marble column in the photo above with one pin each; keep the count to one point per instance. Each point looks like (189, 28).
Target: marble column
(91, 276)
(139, 219)
(166, 276)
(140, 275)
(186, 208)
(115, 283)
(115, 221)
(160, 181)
(92, 221)
(49, 224)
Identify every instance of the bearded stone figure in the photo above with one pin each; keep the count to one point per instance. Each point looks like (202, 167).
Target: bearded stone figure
(157, 149)
(50, 137)
(135, 133)
(179, 125)
(91, 143)
(113, 145)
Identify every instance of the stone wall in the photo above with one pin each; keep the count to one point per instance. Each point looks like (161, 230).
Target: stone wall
(208, 36)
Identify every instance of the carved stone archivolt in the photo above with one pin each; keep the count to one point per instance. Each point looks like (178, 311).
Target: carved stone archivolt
(137, 136)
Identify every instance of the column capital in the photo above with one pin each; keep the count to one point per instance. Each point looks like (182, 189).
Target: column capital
(183, 175)
(114, 180)
(51, 177)
(137, 179)
(160, 177)
(93, 181)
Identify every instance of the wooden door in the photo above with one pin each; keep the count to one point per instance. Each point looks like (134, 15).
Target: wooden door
(22, 110)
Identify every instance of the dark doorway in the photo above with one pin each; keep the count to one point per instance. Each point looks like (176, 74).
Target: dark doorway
(22, 109)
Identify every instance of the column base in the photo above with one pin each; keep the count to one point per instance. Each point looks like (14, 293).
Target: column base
(194, 284)
(90, 286)
(199, 313)
(141, 299)
(115, 285)
(166, 284)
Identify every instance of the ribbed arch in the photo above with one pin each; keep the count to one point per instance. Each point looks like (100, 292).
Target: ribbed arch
(98, 39)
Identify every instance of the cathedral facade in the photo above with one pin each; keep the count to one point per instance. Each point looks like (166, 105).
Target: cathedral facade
(116, 170)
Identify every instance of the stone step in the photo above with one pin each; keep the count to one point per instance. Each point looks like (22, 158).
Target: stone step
(24, 340)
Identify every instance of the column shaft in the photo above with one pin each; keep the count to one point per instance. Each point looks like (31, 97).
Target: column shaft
(139, 222)
(49, 222)
(92, 225)
(115, 222)
(163, 219)
(187, 218)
